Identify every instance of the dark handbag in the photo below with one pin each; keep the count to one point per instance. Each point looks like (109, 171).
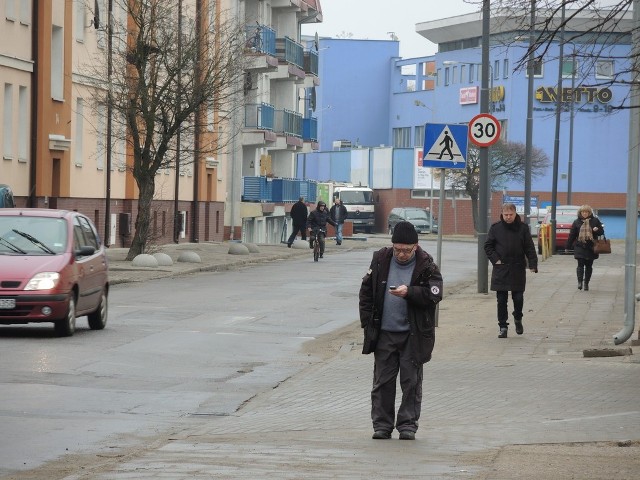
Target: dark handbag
(601, 245)
(371, 333)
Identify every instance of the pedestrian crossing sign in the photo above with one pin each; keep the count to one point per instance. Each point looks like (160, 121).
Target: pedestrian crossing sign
(445, 146)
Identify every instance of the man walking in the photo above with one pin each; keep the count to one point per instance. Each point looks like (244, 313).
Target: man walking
(299, 219)
(338, 214)
(398, 298)
(509, 246)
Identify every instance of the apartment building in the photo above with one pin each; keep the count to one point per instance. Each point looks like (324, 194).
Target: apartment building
(63, 148)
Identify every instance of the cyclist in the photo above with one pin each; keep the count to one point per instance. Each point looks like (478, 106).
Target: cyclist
(317, 220)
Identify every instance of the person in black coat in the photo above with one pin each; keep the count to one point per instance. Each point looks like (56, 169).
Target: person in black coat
(584, 230)
(317, 220)
(299, 214)
(509, 247)
(398, 299)
(338, 214)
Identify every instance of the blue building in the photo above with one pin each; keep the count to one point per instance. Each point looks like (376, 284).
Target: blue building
(377, 98)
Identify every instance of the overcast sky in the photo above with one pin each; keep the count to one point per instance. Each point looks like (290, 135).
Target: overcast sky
(367, 19)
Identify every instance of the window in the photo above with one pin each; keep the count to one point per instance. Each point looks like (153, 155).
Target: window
(568, 68)
(10, 10)
(78, 141)
(604, 69)
(57, 62)
(25, 12)
(438, 77)
(446, 76)
(538, 71)
(505, 68)
(23, 124)
(463, 73)
(79, 20)
(101, 130)
(472, 72)
(7, 127)
(496, 70)
(418, 141)
(454, 75)
(402, 137)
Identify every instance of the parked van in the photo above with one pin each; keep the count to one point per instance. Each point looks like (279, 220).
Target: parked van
(6, 197)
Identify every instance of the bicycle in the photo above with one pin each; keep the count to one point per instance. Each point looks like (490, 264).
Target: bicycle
(317, 236)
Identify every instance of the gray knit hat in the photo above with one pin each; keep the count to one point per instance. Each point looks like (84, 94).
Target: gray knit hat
(404, 232)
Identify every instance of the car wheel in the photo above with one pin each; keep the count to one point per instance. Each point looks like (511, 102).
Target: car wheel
(98, 318)
(66, 326)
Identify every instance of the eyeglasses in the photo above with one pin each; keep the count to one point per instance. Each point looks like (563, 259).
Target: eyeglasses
(406, 251)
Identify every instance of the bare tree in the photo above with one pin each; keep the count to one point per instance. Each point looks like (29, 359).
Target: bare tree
(592, 27)
(166, 84)
(507, 161)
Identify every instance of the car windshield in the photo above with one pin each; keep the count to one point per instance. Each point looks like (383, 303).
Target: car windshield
(32, 235)
(417, 215)
(353, 197)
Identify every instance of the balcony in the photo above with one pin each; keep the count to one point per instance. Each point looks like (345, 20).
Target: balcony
(277, 190)
(290, 52)
(288, 122)
(260, 39)
(311, 62)
(310, 130)
(259, 116)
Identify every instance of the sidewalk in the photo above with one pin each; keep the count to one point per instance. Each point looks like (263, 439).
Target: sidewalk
(527, 407)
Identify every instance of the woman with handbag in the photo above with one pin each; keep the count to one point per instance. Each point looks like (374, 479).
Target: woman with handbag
(584, 233)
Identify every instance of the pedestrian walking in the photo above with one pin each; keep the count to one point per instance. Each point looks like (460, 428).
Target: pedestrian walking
(338, 214)
(398, 299)
(509, 247)
(584, 231)
(299, 214)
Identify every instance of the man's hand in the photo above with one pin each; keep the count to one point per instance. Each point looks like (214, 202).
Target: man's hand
(534, 270)
(400, 291)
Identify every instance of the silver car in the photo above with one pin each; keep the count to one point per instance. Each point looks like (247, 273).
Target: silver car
(420, 218)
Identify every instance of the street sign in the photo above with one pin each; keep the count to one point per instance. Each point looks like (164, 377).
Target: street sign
(484, 130)
(445, 146)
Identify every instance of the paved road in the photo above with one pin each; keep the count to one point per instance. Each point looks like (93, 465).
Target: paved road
(528, 406)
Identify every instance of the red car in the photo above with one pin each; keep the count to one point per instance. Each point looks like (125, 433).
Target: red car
(53, 268)
(564, 219)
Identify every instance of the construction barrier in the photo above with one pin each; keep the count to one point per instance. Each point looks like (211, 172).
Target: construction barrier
(545, 240)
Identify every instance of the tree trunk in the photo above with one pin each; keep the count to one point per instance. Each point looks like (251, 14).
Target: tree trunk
(474, 210)
(143, 220)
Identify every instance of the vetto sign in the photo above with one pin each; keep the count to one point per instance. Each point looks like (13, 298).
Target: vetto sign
(578, 94)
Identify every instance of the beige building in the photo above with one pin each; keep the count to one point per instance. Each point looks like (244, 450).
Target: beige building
(60, 151)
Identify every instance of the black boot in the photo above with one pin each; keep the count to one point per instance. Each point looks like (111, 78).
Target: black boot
(580, 273)
(587, 276)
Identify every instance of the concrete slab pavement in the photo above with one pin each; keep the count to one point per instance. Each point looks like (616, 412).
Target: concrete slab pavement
(528, 407)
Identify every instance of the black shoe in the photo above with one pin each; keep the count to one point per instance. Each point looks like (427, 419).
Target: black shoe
(586, 287)
(503, 333)
(311, 245)
(321, 255)
(580, 286)
(407, 435)
(289, 245)
(381, 435)
(519, 329)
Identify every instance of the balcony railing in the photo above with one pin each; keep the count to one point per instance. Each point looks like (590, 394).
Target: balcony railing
(310, 129)
(259, 115)
(290, 51)
(279, 190)
(288, 122)
(311, 62)
(261, 39)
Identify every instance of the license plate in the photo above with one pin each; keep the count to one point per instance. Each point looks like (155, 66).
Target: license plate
(563, 230)
(7, 303)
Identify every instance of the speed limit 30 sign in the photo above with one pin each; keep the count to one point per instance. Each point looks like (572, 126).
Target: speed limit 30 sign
(484, 130)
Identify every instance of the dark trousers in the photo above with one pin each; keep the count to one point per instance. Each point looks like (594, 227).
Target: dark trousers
(392, 356)
(503, 310)
(584, 270)
(297, 228)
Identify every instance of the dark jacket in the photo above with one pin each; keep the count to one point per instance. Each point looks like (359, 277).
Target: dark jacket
(319, 219)
(299, 214)
(425, 291)
(343, 212)
(584, 249)
(513, 246)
